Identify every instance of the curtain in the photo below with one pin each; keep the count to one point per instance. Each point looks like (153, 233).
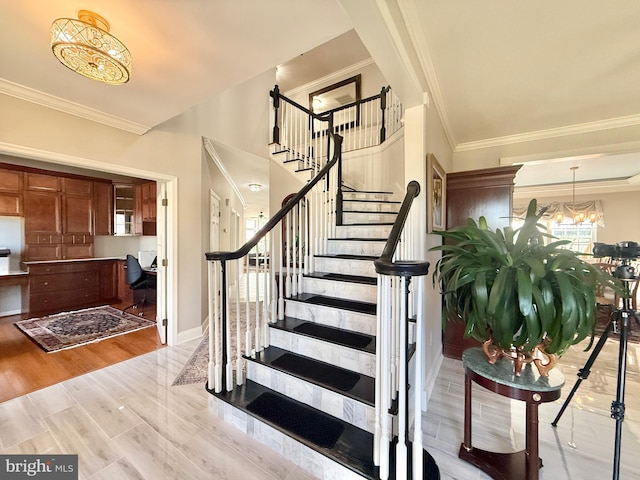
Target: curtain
(590, 209)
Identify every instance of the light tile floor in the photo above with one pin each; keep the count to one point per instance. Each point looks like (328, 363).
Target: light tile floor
(126, 422)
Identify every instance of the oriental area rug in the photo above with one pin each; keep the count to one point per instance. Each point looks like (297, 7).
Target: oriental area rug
(72, 329)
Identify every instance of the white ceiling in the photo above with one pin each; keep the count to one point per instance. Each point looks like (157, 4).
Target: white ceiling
(498, 71)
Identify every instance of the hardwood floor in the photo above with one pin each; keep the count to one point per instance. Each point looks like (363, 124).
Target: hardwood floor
(25, 367)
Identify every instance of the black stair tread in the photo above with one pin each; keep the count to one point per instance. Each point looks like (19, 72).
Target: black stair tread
(347, 256)
(353, 448)
(328, 333)
(341, 277)
(350, 305)
(369, 211)
(363, 390)
(370, 200)
(370, 224)
(357, 239)
(371, 191)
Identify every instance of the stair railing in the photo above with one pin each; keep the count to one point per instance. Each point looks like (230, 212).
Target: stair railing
(302, 135)
(400, 328)
(364, 123)
(273, 262)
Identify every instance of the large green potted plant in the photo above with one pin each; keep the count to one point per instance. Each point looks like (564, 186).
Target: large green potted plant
(516, 294)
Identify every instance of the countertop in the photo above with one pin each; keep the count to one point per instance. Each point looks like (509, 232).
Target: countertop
(94, 259)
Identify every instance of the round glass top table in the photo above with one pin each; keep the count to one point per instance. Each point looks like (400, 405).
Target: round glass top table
(531, 388)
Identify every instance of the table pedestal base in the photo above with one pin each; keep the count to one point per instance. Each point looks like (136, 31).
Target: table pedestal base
(499, 466)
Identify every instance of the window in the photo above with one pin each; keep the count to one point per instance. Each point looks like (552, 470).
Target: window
(581, 235)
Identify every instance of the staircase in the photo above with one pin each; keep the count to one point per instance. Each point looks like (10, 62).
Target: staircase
(312, 379)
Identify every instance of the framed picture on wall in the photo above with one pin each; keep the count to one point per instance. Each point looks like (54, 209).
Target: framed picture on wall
(436, 195)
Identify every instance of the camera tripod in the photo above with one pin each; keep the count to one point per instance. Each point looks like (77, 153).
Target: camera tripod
(622, 316)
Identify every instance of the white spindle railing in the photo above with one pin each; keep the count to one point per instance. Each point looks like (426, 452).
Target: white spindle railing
(400, 323)
(273, 264)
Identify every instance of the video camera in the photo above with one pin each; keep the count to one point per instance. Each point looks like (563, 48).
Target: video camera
(621, 250)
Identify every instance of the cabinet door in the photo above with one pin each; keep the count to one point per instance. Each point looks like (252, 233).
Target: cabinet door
(149, 202)
(73, 186)
(11, 204)
(42, 212)
(108, 281)
(38, 181)
(10, 181)
(102, 208)
(77, 218)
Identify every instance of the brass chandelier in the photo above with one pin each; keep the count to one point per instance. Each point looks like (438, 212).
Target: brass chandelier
(86, 47)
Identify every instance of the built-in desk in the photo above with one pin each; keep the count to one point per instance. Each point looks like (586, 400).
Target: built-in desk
(13, 278)
(59, 285)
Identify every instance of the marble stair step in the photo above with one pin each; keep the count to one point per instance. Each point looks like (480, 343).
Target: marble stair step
(349, 315)
(356, 246)
(351, 458)
(340, 380)
(344, 348)
(341, 286)
(367, 195)
(331, 401)
(370, 206)
(373, 218)
(346, 264)
(363, 231)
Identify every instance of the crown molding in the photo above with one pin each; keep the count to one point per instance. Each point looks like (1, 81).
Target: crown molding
(34, 96)
(577, 129)
(331, 78)
(584, 188)
(208, 146)
(414, 27)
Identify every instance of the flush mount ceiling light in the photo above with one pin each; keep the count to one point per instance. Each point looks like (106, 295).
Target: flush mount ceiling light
(86, 47)
(255, 187)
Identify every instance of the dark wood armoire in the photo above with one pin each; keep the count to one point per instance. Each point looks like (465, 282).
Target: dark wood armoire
(472, 194)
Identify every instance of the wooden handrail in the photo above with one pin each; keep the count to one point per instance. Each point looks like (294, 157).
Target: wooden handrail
(384, 264)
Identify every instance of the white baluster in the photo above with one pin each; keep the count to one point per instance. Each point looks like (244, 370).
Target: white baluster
(417, 381)
(401, 446)
(239, 361)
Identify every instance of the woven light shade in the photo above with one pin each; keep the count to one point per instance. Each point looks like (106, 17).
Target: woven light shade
(86, 47)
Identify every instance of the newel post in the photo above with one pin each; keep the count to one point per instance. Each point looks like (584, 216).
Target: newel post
(383, 107)
(275, 94)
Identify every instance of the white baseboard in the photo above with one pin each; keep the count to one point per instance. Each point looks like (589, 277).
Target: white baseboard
(10, 312)
(191, 334)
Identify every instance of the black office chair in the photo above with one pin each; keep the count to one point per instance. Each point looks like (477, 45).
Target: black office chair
(138, 280)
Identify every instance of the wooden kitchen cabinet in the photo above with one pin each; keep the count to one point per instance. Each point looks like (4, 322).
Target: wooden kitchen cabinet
(59, 286)
(10, 192)
(149, 202)
(145, 209)
(77, 207)
(58, 215)
(103, 208)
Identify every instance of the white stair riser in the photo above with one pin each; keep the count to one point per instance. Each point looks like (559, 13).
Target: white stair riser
(385, 197)
(346, 290)
(355, 206)
(313, 462)
(345, 266)
(355, 247)
(333, 317)
(331, 403)
(358, 217)
(344, 357)
(363, 231)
